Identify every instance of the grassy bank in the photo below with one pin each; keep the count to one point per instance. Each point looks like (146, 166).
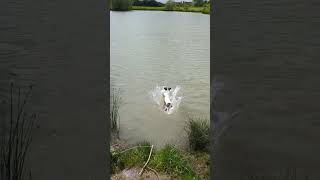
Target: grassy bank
(149, 8)
(170, 5)
(203, 10)
(168, 162)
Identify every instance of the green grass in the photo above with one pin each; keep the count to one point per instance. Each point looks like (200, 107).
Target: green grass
(188, 9)
(204, 10)
(148, 8)
(128, 158)
(201, 163)
(198, 134)
(169, 160)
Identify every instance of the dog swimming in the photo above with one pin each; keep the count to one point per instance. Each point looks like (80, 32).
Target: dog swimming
(166, 98)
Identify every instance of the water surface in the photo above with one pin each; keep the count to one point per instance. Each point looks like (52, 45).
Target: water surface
(61, 50)
(266, 67)
(150, 48)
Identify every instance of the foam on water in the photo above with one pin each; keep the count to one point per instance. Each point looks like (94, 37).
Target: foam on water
(158, 98)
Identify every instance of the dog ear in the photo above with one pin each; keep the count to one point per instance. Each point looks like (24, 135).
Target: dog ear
(165, 88)
(169, 89)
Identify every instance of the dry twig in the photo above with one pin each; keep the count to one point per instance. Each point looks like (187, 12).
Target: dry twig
(146, 162)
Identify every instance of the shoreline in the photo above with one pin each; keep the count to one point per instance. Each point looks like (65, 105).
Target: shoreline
(171, 161)
(162, 8)
(197, 161)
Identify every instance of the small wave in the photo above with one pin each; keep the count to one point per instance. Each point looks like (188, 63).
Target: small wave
(158, 98)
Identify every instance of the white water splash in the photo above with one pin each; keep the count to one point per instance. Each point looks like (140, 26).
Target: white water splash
(158, 99)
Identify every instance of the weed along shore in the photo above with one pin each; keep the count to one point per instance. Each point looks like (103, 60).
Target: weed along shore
(199, 6)
(179, 9)
(146, 161)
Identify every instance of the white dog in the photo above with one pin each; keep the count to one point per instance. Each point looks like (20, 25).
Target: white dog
(166, 95)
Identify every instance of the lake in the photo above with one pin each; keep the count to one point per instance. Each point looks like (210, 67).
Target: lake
(150, 48)
(266, 69)
(61, 50)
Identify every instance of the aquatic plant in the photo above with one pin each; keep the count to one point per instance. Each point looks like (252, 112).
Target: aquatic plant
(114, 111)
(15, 140)
(198, 133)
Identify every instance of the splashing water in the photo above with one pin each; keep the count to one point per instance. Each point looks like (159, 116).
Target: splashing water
(159, 100)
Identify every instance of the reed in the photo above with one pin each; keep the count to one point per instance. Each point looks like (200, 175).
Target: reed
(114, 111)
(198, 134)
(15, 140)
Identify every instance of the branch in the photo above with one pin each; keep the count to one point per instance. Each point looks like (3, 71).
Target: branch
(146, 162)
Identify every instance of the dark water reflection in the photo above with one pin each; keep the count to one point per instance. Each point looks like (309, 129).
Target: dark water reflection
(61, 50)
(266, 55)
